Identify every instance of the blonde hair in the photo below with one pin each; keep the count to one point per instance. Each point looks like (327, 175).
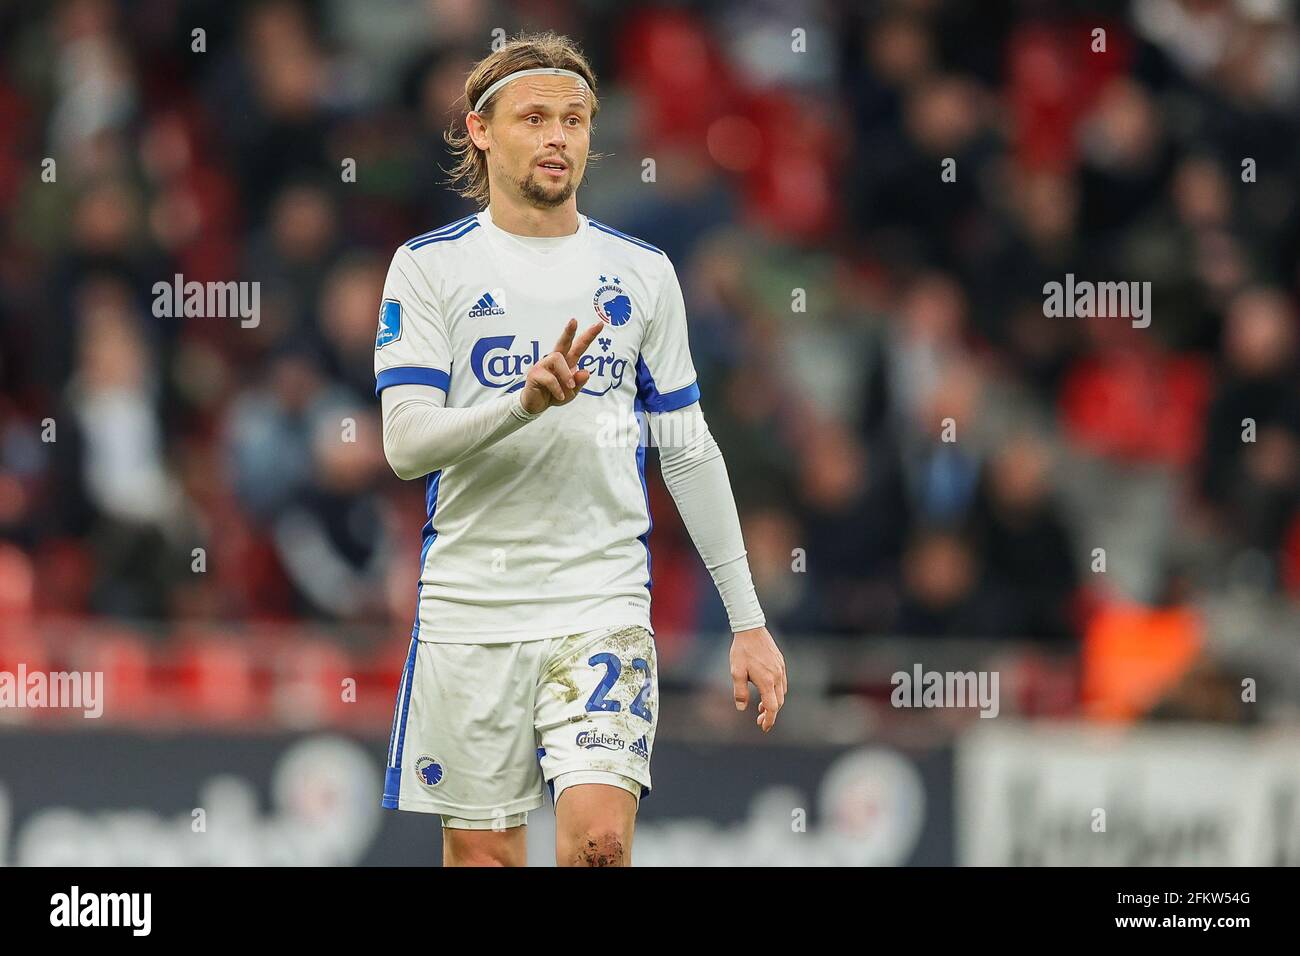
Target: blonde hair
(469, 175)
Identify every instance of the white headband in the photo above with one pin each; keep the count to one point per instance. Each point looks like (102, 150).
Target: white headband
(540, 71)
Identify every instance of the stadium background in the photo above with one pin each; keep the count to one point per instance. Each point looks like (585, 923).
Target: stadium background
(844, 302)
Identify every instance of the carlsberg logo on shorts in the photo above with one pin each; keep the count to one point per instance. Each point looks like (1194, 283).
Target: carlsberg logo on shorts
(590, 739)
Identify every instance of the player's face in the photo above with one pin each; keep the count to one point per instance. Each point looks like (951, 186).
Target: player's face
(539, 137)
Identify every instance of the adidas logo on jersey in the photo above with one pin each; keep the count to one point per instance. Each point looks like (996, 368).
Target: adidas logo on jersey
(486, 305)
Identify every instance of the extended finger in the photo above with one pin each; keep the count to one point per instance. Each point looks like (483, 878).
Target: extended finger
(566, 337)
(579, 348)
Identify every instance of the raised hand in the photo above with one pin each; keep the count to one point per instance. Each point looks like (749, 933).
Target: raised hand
(556, 379)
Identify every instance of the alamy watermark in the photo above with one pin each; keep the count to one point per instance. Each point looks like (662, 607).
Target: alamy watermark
(1085, 300)
(208, 300)
(70, 690)
(133, 911)
(939, 689)
(661, 429)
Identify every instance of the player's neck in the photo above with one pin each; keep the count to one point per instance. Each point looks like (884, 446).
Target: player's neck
(523, 219)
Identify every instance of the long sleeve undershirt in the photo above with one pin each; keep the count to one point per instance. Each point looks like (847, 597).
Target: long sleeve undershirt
(696, 475)
(421, 435)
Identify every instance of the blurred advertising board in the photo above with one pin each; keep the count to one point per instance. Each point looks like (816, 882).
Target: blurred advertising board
(192, 799)
(1177, 795)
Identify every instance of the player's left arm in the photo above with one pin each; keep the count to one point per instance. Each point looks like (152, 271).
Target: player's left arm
(696, 476)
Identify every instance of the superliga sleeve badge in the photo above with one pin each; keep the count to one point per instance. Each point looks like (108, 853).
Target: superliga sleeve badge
(390, 323)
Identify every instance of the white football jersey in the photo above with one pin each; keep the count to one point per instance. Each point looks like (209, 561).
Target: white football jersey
(545, 532)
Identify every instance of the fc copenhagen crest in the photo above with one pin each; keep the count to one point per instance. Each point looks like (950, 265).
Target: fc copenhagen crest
(428, 770)
(611, 302)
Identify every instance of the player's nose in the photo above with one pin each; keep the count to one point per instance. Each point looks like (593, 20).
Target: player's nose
(555, 134)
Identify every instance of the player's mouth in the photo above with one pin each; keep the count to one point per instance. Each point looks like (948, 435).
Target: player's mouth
(553, 167)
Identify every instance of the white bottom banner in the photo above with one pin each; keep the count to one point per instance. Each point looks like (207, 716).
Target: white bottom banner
(1178, 795)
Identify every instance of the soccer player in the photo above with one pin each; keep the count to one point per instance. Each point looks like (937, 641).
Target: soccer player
(532, 658)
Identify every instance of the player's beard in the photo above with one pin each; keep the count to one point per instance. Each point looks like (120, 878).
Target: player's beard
(536, 192)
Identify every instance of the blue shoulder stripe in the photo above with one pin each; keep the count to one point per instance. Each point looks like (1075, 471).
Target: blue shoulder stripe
(622, 235)
(412, 375)
(444, 236)
(440, 230)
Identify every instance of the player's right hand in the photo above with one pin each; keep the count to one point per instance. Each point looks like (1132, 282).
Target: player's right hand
(556, 380)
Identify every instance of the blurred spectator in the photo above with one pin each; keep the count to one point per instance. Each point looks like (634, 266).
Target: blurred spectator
(119, 490)
(1025, 539)
(945, 592)
(1251, 464)
(854, 518)
(331, 539)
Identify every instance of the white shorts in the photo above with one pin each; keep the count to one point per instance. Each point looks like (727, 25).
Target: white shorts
(479, 728)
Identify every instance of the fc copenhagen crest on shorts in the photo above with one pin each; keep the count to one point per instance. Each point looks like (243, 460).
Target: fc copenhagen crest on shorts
(611, 302)
(428, 770)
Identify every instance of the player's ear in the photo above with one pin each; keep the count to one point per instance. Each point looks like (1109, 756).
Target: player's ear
(477, 128)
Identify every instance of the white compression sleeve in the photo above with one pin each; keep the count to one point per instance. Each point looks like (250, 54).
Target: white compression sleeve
(696, 476)
(421, 435)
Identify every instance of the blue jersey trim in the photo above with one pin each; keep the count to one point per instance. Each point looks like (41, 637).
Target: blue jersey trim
(671, 401)
(412, 375)
(657, 401)
(623, 235)
(639, 410)
(443, 236)
(441, 230)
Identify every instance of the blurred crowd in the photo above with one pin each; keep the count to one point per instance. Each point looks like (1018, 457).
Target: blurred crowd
(916, 448)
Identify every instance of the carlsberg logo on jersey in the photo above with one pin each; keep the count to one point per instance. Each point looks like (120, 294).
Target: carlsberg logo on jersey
(497, 364)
